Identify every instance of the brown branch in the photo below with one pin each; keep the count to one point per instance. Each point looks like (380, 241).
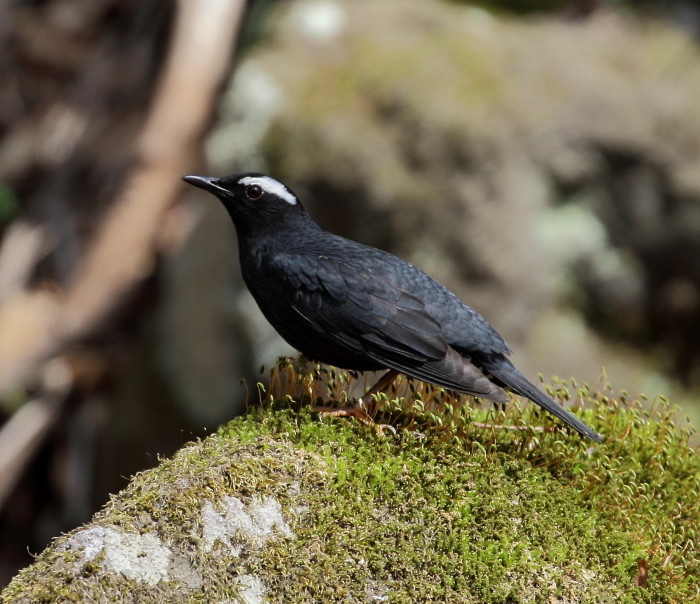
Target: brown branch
(22, 247)
(196, 67)
(26, 429)
(37, 325)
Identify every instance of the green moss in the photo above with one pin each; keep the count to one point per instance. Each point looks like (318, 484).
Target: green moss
(439, 511)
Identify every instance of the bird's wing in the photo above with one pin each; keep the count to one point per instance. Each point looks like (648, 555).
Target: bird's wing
(358, 309)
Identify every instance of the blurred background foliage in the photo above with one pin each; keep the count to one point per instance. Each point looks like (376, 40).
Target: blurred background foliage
(539, 157)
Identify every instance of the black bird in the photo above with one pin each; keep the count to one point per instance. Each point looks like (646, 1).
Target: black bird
(356, 307)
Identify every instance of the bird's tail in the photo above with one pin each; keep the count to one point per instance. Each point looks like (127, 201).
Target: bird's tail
(512, 379)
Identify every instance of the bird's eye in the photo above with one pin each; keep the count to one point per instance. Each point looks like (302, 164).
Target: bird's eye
(254, 191)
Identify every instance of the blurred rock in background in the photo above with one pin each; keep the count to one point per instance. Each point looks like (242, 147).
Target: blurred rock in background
(545, 170)
(544, 167)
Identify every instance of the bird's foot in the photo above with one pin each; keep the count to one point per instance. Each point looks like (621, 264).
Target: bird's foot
(357, 411)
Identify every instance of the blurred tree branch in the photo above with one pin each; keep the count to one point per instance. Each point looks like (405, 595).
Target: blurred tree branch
(38, 325)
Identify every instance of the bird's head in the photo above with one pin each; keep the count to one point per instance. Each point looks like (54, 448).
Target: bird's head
(253, 200)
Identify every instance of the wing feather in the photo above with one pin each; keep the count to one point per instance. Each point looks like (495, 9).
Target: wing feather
(366, 314)
(360, 309)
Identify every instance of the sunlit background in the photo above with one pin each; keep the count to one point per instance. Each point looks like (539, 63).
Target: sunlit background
(541, 158)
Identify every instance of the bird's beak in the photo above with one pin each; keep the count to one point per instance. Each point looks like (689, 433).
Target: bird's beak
(208, 183)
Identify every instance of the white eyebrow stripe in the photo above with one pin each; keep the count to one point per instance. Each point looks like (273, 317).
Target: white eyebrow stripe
(270, 185)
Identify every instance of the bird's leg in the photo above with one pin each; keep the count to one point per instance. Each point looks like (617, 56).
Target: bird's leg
(358, 409)
(382, 384)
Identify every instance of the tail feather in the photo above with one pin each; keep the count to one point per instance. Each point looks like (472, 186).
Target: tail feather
(512, 379)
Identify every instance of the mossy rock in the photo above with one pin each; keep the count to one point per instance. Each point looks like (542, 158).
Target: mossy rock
(283, 505)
